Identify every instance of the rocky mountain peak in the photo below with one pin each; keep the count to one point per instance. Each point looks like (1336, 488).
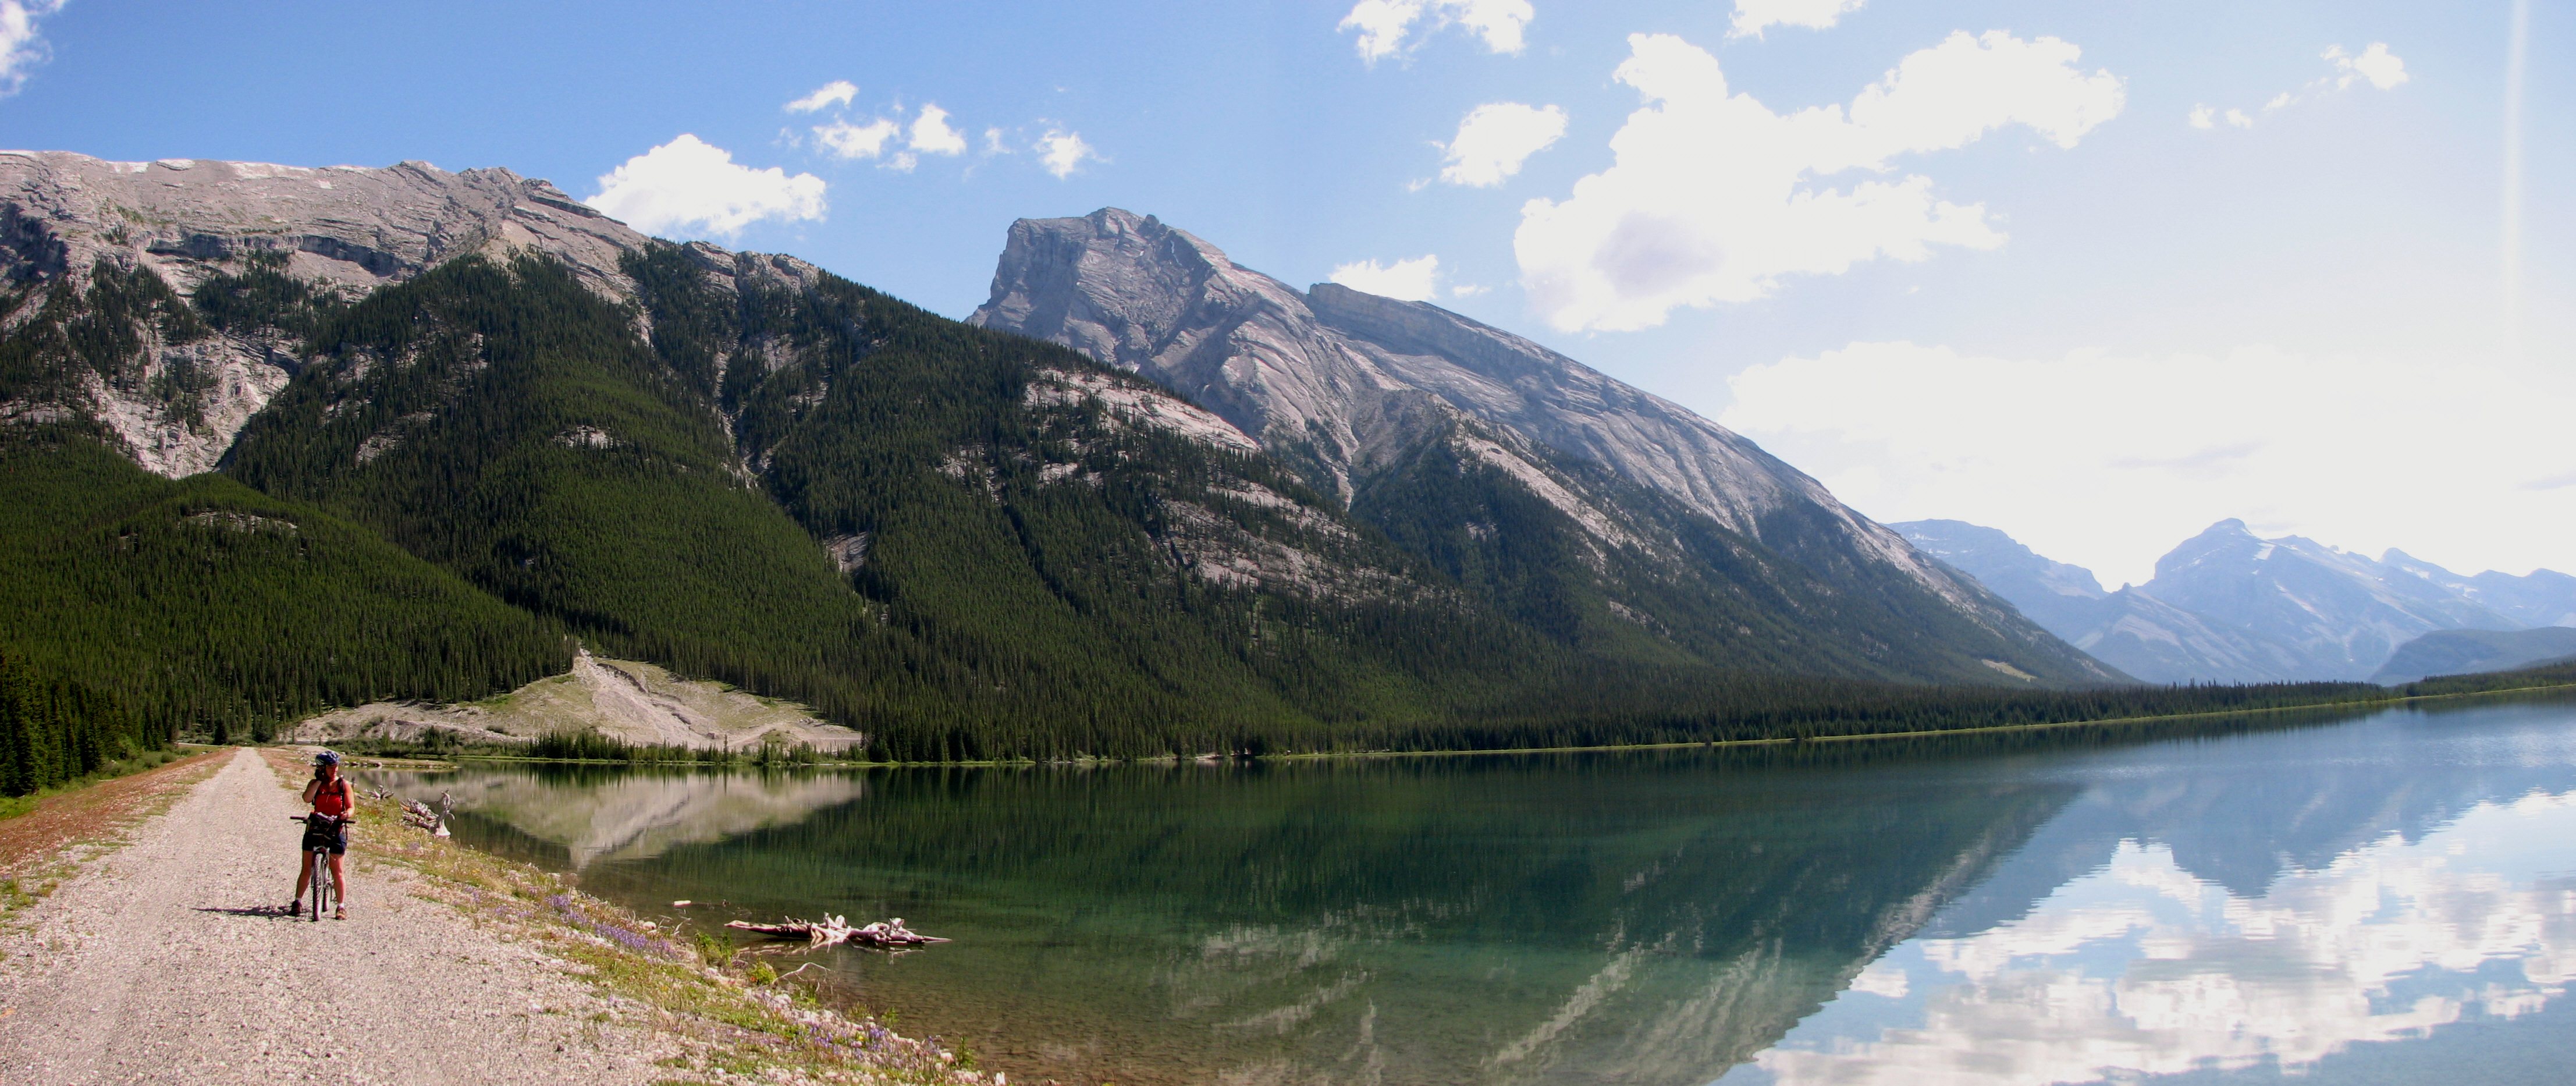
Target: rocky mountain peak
(355, 226)
(1344, 385)
(342, 229)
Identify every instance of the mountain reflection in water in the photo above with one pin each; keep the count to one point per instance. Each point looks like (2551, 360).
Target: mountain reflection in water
(594, 814)
(2032, 910)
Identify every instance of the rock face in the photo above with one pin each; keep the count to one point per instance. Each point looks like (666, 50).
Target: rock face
(1347, 386)
(63, 217)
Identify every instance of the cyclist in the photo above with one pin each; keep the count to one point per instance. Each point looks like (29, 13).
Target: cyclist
(329, 795)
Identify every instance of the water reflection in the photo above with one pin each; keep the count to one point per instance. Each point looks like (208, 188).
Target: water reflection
(594, 815)
(2145, 968)
(2012, 909)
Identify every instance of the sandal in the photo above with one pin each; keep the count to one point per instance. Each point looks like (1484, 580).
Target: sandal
(340, 913)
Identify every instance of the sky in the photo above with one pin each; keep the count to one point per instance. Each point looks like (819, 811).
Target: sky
(2096, 274)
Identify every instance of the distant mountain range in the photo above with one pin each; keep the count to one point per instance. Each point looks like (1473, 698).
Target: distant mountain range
(2230, 606)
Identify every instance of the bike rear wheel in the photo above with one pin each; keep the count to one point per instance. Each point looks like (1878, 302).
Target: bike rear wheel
(321, 882)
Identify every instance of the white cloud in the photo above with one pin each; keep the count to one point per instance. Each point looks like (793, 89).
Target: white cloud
(1383, 25)
(689, 183)
(1713, 197)
(929, 133)
(1753, 15)
(1062, 152)
(995, 142)
(1415, 280)
(21, 46)
(2108, 461)
(854, 141)
(1495, 138)
(2376, 64)
(2200, 117)
(932, 136)
(838, 92)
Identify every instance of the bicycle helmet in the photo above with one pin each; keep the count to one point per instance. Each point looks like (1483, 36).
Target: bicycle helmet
(326, 758)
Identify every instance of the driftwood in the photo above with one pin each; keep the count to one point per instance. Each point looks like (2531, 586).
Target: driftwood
(834, 930)
(418, 814)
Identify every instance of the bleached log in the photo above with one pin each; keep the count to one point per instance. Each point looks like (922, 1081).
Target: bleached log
(835, 930)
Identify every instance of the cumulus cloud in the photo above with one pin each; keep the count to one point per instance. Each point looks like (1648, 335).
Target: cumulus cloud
(931, 134)
(22, 47)
(2375, 65)
(1713, 197)
(689, 184)
(2109, 460)
(1751, 16)
(1495, 138)
(1062, 152)
(1415, 280)
(1385, 26)
(856, 141)
(838, 92)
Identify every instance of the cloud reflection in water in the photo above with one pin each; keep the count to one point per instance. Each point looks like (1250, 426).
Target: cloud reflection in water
(2142, 968)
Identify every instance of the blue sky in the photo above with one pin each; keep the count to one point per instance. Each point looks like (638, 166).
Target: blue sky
(2129, 326)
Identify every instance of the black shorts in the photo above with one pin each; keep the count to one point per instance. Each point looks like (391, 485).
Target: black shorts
(334, 838)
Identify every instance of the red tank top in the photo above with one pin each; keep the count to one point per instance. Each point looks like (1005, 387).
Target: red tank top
(333, 798)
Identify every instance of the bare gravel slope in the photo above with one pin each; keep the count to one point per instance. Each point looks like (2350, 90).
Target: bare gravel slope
(168, 962)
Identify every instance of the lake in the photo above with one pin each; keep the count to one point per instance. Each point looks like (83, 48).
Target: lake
(2384, 899)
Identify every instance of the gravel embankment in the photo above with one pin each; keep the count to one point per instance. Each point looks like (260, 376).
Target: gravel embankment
(171, 961)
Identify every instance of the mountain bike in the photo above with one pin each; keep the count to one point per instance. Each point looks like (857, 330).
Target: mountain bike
(320, 831)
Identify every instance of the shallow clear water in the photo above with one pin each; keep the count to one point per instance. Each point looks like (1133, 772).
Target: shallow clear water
(2389, 899)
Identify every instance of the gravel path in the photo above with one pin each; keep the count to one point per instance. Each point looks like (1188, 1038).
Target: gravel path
(171, 961)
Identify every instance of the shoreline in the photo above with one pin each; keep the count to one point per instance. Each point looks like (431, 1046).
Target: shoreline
(737, 1019)
(1712, 744)
(149, 942)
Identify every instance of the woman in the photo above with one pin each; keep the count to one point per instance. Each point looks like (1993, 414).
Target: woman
(329, 796)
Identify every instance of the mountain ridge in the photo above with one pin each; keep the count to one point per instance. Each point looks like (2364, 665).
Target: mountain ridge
(1341, 384)
(2227, 605)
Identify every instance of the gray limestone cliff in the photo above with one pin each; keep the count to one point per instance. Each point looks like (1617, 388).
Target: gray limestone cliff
(1343, 384)
(348, 229)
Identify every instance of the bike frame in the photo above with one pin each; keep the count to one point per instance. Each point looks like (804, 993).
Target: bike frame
(325, 893)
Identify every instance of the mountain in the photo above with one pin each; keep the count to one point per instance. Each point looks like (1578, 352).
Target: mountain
(2544, 598)
(1594, 511)
(2468, 652)
(140, 236)
(464, 429)
(2229, 606)
(2128, 629)
(2342, 614)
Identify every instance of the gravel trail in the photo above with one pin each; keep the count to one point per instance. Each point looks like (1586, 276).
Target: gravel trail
(171, 961)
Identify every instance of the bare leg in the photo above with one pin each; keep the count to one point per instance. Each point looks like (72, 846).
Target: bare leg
(339, 884)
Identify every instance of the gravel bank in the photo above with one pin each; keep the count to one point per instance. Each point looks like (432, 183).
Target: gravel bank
(169, 961)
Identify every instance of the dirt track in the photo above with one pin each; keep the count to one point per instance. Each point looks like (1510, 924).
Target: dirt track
(171, 961)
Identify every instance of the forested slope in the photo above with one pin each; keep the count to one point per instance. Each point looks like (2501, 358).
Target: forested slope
(145, 607)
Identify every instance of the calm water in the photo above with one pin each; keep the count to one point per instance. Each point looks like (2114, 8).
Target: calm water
(2390, 899)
